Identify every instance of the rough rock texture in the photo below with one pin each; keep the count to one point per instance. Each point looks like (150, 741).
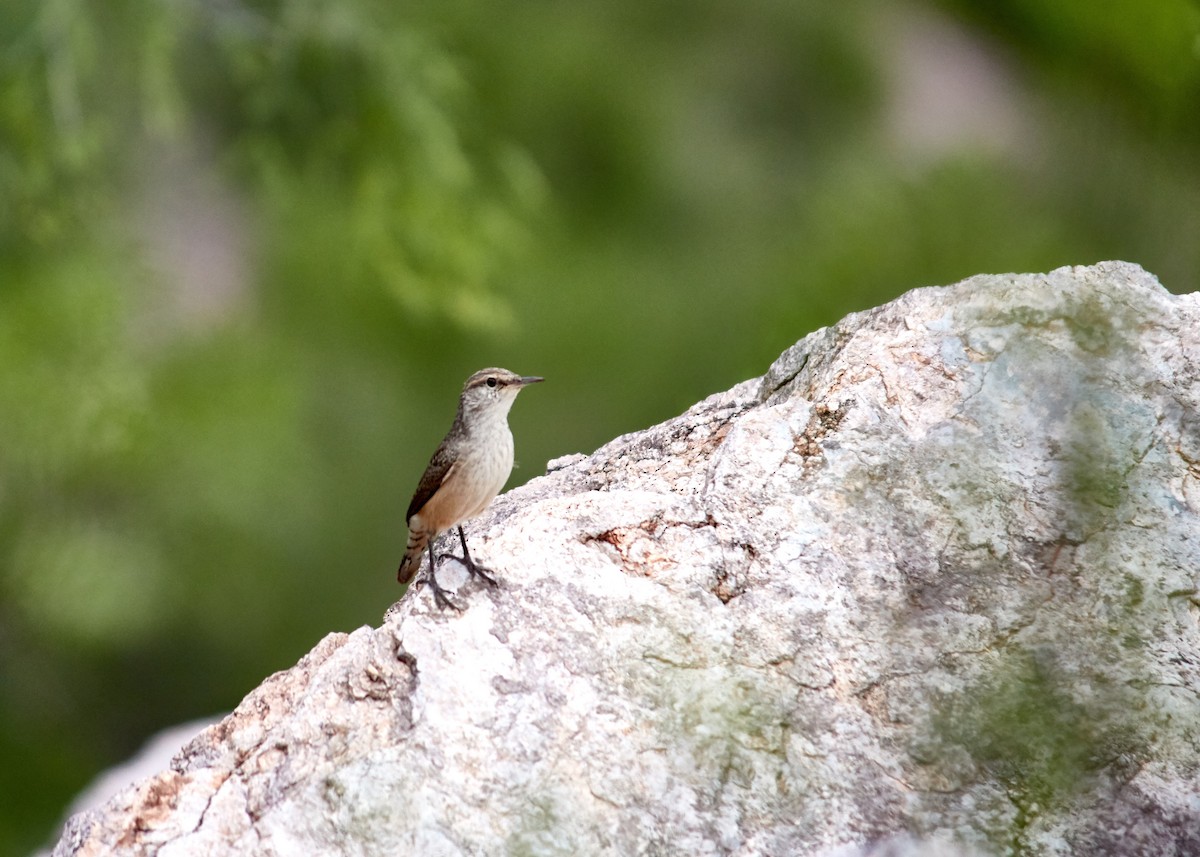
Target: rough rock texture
(928, 586)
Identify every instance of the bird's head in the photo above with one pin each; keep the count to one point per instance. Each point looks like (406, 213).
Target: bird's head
(493, 391)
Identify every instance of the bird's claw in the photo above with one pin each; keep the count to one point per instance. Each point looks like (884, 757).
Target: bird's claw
(473, 568)
(440, 598)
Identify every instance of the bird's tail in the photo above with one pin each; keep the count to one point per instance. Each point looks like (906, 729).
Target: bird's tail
(411, 564)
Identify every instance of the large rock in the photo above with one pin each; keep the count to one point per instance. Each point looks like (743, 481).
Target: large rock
(928, 586)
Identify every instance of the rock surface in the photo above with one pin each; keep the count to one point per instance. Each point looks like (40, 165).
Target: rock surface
(928, 586)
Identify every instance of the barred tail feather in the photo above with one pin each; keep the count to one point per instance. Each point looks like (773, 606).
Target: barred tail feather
(411, 564)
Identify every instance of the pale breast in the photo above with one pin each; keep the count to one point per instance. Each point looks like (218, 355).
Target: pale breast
(491, 465)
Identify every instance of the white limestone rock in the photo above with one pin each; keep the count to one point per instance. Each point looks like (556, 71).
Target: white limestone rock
(927, 587)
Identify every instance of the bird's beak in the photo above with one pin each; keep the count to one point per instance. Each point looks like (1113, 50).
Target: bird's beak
(531, 379)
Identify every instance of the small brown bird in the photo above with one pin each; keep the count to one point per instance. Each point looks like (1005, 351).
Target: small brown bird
(465, 474)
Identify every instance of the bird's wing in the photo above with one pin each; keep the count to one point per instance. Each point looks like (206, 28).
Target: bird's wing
(440, 467)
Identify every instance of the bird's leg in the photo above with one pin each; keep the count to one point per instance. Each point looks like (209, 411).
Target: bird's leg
(474, 568)
(439, 595)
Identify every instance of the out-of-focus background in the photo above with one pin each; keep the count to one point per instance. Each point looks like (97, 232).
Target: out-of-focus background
(250, 249)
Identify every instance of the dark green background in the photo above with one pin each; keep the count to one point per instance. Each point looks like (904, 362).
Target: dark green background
(250, 250)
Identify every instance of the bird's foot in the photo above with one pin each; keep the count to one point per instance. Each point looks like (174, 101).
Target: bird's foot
(473, 568)
(440, 598)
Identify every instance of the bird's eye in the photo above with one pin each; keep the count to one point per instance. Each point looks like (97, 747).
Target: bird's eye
(491, 382)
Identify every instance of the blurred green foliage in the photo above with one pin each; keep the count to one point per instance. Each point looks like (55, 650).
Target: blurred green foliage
(249, 249)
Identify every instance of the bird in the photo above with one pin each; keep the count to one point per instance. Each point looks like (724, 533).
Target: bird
(464, 475)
